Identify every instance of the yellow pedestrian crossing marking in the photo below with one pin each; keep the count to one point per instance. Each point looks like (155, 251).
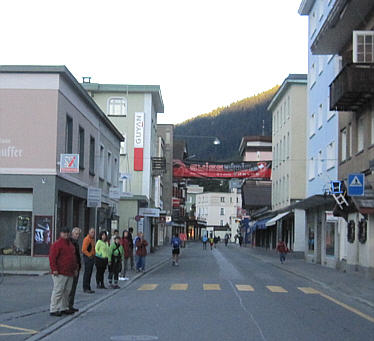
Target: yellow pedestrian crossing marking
(19, 331)
(309, 291)
(274, 288)
(179, 286)
(148, 287)
(212, 287)
(241, 287)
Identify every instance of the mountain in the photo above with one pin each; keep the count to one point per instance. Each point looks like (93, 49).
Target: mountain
(242, 118)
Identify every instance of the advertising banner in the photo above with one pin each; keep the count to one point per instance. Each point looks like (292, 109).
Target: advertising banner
(94, 197)
(241, 170)
(138, 141)
(42, 235)
(69, 163)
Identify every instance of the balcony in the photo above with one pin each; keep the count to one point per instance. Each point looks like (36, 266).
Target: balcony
(352, 88)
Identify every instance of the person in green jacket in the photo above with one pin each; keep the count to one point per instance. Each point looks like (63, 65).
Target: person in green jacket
(115, 257)
(101, 258)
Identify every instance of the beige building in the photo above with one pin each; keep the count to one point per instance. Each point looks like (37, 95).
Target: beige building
(289, 110)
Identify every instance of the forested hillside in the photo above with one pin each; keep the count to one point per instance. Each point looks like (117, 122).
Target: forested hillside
(229, 124)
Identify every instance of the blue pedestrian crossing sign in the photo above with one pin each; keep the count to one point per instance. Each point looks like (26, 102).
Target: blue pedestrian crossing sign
(356, 184)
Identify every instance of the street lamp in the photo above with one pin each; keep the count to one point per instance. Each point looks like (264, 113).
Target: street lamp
(216, 140)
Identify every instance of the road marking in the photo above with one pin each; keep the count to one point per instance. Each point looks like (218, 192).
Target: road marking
(212, 287)
(148, 287)
(22, 331)
(309, 291)
(244, 287)
(179, 286)
(345, 306)
(274, 288)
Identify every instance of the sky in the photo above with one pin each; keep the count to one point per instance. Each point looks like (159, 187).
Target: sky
(204, 54)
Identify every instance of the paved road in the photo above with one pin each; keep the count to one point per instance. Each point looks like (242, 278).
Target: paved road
(224, 294)
(221, 295)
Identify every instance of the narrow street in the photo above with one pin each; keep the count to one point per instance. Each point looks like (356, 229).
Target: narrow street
(221, 295)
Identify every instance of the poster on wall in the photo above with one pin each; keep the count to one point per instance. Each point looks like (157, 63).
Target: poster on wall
(42, 235)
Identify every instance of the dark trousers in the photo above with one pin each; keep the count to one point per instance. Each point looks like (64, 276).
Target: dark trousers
(73, 290)
(132, 263)
(114, 270)
(88, 267)
(101, 264)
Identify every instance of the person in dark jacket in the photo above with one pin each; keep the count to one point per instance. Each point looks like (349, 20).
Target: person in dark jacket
(64, 266)
(131, 246)
(75, 233)
(282, 249)
(141, 252)
(126, 255)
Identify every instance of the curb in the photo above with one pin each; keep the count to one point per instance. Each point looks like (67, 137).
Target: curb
(322, 284)
(64, 321)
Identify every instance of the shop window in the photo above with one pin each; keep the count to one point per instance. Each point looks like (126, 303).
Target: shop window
(330, 239)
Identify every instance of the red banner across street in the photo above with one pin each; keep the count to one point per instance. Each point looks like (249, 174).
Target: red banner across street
(243, 170)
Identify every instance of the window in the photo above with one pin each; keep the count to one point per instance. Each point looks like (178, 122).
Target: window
(221, 222)
(237, 200)
(330, 239)
(222, 212)
(320, 116)
(311, 238)
(313, 23)
(360, 134)
(320, 10)
(344, 144)
(312, 125)
(330, 155)
(288, 107)
(350, 140)
(117, 106)
(102, 163)
(115, 173)
(92, 156)
(81, 147)
(288, 145)
(167, 138)
(330, 113)
(363, 46)
(312, 167)
(319, 165)
(312, 75)
(123, 148)
(222, 199)
(230, 200)
(69, 135)
(320, 64)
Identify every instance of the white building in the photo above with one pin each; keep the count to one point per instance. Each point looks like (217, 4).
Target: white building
(219, 210)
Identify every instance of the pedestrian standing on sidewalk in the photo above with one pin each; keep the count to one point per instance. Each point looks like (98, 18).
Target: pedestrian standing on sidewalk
(101, 259)
(126, 255)
(115, 256)
(205, 240)
(131, 246)
(75, 233)
(176, 244)
(64, 267)
(141, 252)
(282, 249)
(226, 239)
(88, 250)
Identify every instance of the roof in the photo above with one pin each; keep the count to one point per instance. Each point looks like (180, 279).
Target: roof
(365, 203)
(296, 78)
(254, 138)
(155, 90)
(306, 6)
(256, 194)
(64, 72)
(314, 201)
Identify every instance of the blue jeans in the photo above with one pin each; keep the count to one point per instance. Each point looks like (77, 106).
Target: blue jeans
(282, 257)
(140, 263)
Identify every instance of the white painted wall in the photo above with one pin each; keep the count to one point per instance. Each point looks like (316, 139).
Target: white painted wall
(299, 242)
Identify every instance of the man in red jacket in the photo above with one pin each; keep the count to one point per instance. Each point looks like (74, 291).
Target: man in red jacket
(64, 267)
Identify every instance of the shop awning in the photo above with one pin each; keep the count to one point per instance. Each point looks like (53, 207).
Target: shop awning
(274, 220)
(260, 225)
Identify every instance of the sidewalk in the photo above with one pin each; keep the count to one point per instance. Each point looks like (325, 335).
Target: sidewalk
(27, 295)
(352, 284)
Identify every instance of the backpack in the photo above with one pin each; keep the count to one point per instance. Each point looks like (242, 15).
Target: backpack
(175, 243)
(205, 239)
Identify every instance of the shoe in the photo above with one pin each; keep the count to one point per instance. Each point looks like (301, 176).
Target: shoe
(56, 313)
(176, 264)
(74, 309)
(116, 287)
(121, 278)
(68, 312)
(126, 278)
(89, 291)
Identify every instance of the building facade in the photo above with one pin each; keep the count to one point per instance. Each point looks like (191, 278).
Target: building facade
(133, 109)
(351, 93)
(39, 195)
(220, 211)
(322, 142)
